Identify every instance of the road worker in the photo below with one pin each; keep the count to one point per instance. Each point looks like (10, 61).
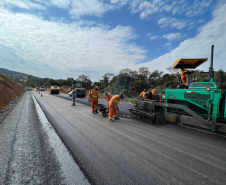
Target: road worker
(163, 95)
(74, 94)
(94, 97)
(114, 106)
(143, 94)
(107, 96)
(147, 95)
(89, 96)
(183, 76)
(153, 90)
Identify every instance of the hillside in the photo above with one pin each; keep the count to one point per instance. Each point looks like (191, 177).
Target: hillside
(8, 91)
(14, 74)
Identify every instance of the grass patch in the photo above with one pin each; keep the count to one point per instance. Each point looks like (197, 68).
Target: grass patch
(2, 80)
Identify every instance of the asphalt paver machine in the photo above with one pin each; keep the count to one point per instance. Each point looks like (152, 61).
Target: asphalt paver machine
(199, 104)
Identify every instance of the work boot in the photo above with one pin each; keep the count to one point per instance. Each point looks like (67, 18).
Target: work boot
(93, 112)
(117, 118)
(110, 120)
(96, 111)
(73, 105)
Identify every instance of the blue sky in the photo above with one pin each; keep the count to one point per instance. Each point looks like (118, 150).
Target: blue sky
(67, 38)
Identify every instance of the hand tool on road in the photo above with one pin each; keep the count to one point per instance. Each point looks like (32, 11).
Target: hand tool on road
(125, 116)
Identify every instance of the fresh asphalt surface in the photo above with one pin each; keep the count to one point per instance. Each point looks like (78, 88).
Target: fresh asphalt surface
(131, 152)
(124, 107)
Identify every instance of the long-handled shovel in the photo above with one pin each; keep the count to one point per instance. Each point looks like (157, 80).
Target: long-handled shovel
(125, 116)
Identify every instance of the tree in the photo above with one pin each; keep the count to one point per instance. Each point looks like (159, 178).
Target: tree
(172, 70)
(133, 74)
(127, 71)
(86, 81)
(220, 79)
(144, 71)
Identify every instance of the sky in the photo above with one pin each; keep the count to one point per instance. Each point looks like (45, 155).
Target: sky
(67, 38)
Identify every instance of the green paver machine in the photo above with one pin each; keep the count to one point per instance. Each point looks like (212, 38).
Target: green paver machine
(199, 104)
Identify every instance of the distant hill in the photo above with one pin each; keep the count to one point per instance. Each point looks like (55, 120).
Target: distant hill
(14, 74)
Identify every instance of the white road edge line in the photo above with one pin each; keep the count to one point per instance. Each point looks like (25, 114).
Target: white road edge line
(69, 168)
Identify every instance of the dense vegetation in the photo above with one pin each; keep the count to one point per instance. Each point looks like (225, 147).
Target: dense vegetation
(129, 82)
(13, 74)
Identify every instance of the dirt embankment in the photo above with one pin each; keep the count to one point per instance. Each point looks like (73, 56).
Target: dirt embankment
(8, 91)
(64, 90)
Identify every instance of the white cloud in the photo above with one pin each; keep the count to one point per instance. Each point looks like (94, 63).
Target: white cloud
(64, 4)
(172, 36)
(154, 37)
(168, 44)
(201, 21)
(147, 8)
(189, 8)
(148, 34)
(24, 4)
(59, 50)
(78, 8)
(199, 7)
(212, 33)
(172, 22)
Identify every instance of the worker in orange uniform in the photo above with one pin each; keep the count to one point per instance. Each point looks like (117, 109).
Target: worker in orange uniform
(107, 96)
(94, 96)
(153, 90)
(183, 76)
(89, 96)
(163, 95)
(114, 106)
(143, 94)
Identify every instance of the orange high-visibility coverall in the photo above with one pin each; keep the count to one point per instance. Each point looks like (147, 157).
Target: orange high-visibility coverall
(89, 95)
(113, 106)
(153, 91)
(183, 76)
(108, 97)
(142, 94)
(94, 94)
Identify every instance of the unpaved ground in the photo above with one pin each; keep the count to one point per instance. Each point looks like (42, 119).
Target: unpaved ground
(9, 90)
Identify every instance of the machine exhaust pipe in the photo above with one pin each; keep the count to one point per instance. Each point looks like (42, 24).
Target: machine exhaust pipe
(211, 71)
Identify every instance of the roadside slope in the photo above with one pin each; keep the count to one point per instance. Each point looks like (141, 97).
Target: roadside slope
(8, 91)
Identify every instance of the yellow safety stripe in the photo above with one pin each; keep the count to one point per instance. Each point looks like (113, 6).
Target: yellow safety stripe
(110, 117)
(115, 116)
(115, 100)
(94, 96)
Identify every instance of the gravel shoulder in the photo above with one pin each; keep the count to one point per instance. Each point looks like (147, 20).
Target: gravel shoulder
(27, 156)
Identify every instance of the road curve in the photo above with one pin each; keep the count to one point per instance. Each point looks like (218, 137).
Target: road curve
(132, 152)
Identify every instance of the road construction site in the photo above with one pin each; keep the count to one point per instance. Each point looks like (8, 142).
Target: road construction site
(97, 151)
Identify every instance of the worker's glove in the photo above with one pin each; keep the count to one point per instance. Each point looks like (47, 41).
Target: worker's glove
(118, 109)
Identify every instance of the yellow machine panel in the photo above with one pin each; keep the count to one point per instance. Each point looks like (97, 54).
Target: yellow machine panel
(191, 63)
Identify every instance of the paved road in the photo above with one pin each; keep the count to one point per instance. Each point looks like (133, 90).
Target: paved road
(132, 152)
(124, 107)
(30, 150)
